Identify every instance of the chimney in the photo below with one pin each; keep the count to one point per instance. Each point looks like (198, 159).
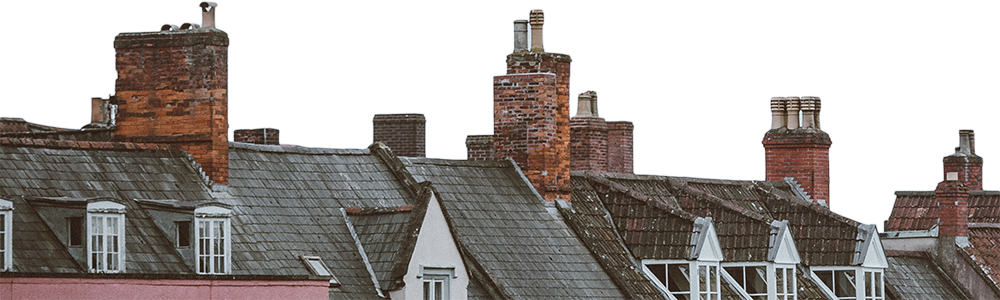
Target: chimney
(101, 111)
(620, 147)
(479, 147)
(953, 209)
(172, 88)
(537, 19)
(208, 14)
(260, 136)
(965, 163)
(800, 152)
(588, 136)
(403, 133)
(520, 36)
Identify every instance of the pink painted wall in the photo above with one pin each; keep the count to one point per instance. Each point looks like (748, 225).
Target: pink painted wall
(95, 288)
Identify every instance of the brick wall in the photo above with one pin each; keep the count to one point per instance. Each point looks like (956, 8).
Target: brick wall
(479, 147)
(620, 147)
(802, 154)
(953, 197)
(172, 88)
(403, 133)
(262, 136)
(965, 162)
(531, 119)
(588, 144)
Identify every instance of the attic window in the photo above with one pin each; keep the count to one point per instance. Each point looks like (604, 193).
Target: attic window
(6, 224)
(686, 279)
(74, 226)
(213, 239)
(841, 282)
(436, 281)
(183, 233)
(318, 268)
(106, 237)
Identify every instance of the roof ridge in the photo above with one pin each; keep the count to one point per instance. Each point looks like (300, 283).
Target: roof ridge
(456, 162)
(71, 144)
(297, 149)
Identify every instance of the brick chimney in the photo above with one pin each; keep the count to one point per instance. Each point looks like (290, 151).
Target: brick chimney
(260, 136)
(965, 162)
(531, 114)
(403, 133)
(953, 209)
(797, 147)
(588, 136)
(620, 147)
(479, 147)
(172, 88)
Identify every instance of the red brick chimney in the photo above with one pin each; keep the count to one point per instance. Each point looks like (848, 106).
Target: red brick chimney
(172, 88)
(797, 148)
(261, 136)
(403, 133)
(953, 209)
(588, 136)
(620, 147)
(479, 147)
(531, 113)
(965, 162)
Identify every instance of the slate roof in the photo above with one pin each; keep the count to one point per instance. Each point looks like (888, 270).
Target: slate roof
(985, 241)
(914, 275)
(290, 201)
(914, 211)
(511, 244)
(387, 235)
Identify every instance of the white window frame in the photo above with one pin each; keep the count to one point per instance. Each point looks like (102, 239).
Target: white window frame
(6, 232)
(875, 283)
(213, 247)
(790, 282)
(430, 275)
(102, 236)
(694, 290)
(861, 285)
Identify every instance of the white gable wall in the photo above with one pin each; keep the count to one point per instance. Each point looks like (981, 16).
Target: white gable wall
(435, 248)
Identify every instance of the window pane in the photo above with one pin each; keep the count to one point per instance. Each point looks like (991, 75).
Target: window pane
(427, 290)
(677, 277)
(878, 284)
(75, 228)
(756, 280)
(779, 280)
(183, 233)
(737, 274)
(438, 290)
(703, 280)
(660, 271)
(844, 283)
(868, 285)
(713, 272)
(826, 277)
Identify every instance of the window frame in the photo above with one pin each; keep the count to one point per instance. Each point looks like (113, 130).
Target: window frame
(6, 235)
(430, 275)
(211, 214)
(861, 284)
(80, 231)
(186, 225)
(105, 210)
(693, 277)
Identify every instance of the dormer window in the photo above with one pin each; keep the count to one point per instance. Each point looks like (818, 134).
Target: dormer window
(105, 236)
(6, 225)
(213, 238)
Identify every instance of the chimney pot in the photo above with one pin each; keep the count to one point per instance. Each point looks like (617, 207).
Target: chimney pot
(793, 113)
(778, 115)
(810, 112)
(537, 18)
(208, 14)
(587, 104)
(520, 36)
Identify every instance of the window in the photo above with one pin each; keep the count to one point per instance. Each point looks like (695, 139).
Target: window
(675, 277)
(841, 282)
(6, 225)
(436, 282)
(708, 282)
(183, 233)
(753, 280)
(74, 226)
(106, 236)
(213, 239)
(874, 289)
(318, 268)
(785, 282)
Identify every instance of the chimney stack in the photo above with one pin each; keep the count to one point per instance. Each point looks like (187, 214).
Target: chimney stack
(403, 133)
(208, 14)
(588, 136)
(620, 147)
(953, 214)
(520, 36)
(801, 152)
(965, 163)
(260, 136)
(172, 88)
(479, 147)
